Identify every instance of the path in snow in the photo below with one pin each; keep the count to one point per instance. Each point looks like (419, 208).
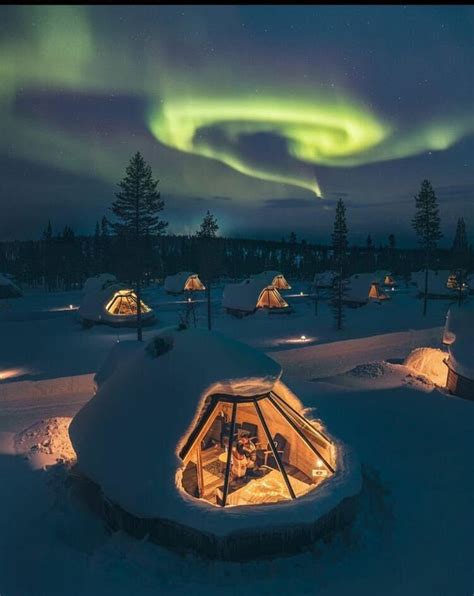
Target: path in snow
(324, 360)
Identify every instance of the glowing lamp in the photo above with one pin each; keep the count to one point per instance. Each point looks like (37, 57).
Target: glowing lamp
(303, 338)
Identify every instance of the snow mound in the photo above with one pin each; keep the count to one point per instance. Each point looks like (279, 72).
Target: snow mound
(49, 436)
(429, 362)
(371, 370)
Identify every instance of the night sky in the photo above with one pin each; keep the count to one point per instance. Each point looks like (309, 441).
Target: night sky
(265, 115)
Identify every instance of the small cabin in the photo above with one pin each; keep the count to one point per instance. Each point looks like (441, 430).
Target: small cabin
(249, 296)
(184, 281)
(272, 278)
(114, 305)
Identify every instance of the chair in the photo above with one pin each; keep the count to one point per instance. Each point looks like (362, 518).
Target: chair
(250, 430)
(280, 444)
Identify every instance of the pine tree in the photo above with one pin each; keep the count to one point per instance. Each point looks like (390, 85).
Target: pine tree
(209, 257)
(427, 226)
(136, 209)
(209, 227)
(460, 244)
(340, 246)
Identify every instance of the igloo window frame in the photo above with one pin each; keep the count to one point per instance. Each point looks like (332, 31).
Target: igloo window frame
(295, 421)
(129, 296)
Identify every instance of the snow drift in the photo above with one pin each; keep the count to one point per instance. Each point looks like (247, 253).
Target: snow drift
(429, 362)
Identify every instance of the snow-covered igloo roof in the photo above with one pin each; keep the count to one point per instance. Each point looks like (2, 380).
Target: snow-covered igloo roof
(128, 436)
(176, 283)
(98, 282)
(93, 306)
(272, 278)
(458, 335)
(244, 296)
(437, 281)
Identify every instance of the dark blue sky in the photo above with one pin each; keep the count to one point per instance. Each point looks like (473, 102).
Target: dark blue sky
(253, 112)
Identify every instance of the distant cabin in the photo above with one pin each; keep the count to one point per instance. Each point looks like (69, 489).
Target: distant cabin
(272, 278)
(184, 281)
(247, 297)
(441, 283)
(114, 305)
(362, 288)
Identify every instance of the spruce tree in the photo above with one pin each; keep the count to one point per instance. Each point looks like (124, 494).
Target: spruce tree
(460, 244)
(340, 246)
(427, 226)
(208, 256)
(136, 209)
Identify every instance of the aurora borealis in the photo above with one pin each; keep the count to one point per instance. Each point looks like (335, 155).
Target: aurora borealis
(263, 114)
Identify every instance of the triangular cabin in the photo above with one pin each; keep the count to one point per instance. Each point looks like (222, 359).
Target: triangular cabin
(247, 297)
(184, 281)
(272, 278)
(361, 289)
(8, 289)
(194, 435)
(114, 305)
(389, 281)
(376, 292)
(441, 284)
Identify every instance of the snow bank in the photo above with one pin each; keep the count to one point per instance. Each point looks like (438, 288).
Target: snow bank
(48, 436)
(429, 362)
(128, 436)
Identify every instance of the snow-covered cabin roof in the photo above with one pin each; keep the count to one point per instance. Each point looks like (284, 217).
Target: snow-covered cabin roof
(245, 296)
(458, 335)
(437, 282)
(359, 287)
(324, 279)
(98, 282)
(94, 305)
(177, 283)
(8, 289)
(128, 436)
(272, 278)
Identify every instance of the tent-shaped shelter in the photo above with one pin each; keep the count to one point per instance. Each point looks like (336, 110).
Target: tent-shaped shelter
(98, 282)
(362, 288)
(8, 289)
(389, 281)
(115, 304)
(246, 297)
(458, 336)
(376, 292)
(164, 435)
(272, 278)
(440, 283)
(183, 281)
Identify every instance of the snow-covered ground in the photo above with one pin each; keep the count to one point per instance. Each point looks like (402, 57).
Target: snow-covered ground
(414, 531)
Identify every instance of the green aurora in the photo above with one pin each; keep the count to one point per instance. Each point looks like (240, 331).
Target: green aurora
(53, 49)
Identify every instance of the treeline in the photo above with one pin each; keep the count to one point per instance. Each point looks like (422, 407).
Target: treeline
(62, 261)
